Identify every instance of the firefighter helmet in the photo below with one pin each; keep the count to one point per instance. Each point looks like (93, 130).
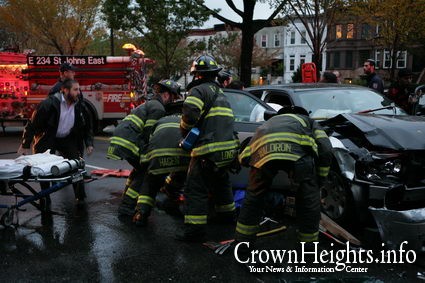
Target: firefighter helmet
(205, 64)
(224, 75)
(129, 46)
(170, 85)
(293, 110)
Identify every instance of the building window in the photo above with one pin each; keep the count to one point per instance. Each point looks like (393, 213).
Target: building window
(377, 30)
(348, 59)
(292, 63)
(401, 59)
(303, 37)
(338, 31)
(387, 59)
(293, 37)
(264, 40)
(350, 31)
(363, 56)
(365, 31)
(277, 40)
(337, 59)
(377, 59)
(302, 59)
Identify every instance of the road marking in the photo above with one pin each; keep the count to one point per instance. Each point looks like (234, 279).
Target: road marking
(96, 167)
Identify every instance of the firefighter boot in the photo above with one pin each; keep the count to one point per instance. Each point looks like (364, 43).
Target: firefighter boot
(141, 218)
(191, 233)
(127, 207)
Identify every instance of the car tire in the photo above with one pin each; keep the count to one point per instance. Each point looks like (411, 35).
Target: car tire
(337, 199)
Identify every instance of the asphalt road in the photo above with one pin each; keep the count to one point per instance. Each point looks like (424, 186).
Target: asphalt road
(90, 244)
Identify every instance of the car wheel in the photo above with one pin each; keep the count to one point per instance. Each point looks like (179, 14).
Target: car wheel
(337, 200)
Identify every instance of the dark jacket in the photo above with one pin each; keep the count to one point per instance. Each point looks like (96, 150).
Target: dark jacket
(288, 137)
(163, 152)
(56, 88)
(375, 82)
(132, 134)
(43, 125)
(217, 138)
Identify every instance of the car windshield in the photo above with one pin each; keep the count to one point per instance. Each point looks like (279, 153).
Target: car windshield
(245, 108)
(327, 103)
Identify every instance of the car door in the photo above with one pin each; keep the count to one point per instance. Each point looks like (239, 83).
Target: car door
(247, 110)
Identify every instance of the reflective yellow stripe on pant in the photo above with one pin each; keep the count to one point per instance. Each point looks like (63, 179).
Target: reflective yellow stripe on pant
(195, 219)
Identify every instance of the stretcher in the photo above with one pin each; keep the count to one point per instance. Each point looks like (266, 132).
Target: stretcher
(22, 189)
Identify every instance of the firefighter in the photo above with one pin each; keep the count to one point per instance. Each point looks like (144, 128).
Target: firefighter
(296, 144)
(165, 161)
(131, 136)
(66, 71)
(224, 78)
(207, 109)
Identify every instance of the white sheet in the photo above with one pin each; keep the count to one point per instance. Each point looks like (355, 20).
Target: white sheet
(38, 159)
(40, 163)
(10, 169)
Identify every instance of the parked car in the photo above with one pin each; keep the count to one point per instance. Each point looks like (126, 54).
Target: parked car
(379, 156)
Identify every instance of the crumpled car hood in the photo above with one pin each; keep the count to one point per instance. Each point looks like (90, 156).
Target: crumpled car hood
(393, 132)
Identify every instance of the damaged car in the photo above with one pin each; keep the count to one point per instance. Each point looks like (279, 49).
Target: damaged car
(378, 173)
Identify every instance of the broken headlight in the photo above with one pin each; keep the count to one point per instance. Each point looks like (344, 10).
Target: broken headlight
(381, 167)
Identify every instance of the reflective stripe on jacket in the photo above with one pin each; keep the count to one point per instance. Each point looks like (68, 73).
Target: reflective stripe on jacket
(217, 138)
(288, 137)
(134, 130)
(163, 152)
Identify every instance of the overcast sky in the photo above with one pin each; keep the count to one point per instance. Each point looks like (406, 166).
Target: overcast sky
(262, 11)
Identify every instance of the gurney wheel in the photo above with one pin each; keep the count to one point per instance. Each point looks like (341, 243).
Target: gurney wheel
(7, 218)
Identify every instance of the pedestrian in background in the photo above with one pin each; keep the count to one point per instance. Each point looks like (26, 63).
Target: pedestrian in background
(400, 90)
(328, 77)
(214, 150)
(338, 76)
(373, 80)
(60, 124)
(224, 78)
(132, 135)
(236, 85)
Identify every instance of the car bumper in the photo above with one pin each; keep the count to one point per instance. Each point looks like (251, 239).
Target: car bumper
(396, 227)
(400, 215)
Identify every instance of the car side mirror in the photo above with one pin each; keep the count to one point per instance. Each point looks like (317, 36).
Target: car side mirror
(268, 114)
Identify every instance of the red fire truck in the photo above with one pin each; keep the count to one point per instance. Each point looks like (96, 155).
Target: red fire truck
(13, 88)
(111, 85)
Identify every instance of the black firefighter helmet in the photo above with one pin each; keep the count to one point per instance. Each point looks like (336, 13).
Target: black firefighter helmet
(205, 64)
(170, 85)
(293, 110)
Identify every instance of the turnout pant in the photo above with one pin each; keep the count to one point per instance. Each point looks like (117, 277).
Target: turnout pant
(307, 198)
(132, 188)
(172, 182)
(205, 177)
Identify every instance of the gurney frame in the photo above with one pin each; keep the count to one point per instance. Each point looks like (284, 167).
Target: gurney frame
(9, 187)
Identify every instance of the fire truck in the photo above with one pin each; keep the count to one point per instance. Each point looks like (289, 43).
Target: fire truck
(111, 85)
(13, 88)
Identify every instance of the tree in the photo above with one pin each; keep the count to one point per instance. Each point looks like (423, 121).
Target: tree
(248, 28)
(115, 12)
(397, 22)
(63, 25)
(315, 16)
(164, 24)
